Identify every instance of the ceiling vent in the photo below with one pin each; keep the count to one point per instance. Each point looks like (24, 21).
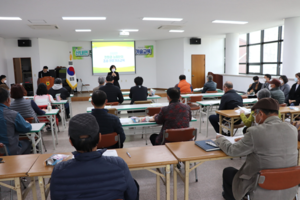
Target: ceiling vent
(44, 27)
(170, 27)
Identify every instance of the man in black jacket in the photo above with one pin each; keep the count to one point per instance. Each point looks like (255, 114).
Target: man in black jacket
(138, 92)
(108, 123)
(255, 87)
(229, 101)
(113, 93)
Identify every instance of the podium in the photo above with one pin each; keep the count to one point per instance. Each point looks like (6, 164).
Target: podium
(47, 80)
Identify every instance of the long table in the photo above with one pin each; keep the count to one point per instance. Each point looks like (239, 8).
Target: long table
(153, 98)
(123, 93)
(208, 105)
(204, 95)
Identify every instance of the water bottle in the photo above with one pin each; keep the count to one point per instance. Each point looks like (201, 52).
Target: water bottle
(49, 108)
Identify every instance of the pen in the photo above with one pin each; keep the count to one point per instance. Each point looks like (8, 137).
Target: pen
(128, 155)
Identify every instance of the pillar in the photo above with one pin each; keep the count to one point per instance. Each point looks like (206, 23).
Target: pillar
(232, 53)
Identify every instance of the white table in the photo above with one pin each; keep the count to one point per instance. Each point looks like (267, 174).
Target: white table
(51, 116)
(208, 104)
(61, 105)
(204, 95)
(124, 93)
(200, 90)
(153, 98)
(36, 132)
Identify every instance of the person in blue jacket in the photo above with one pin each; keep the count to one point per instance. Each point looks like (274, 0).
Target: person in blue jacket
(11, 124)
(91, 175)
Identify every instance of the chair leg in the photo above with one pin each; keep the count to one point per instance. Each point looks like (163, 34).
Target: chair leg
(248, 197)
(196, 174)
(11, 191)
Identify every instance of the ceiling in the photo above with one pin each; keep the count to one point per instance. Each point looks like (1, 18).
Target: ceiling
(127, 14)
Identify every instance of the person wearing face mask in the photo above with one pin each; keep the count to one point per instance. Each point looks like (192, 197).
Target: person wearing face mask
(294, 95)
(115, 75)
(2, 79)
(267, 80)
(276, 93)
(255, 87)
(284, 87)
(272, 144)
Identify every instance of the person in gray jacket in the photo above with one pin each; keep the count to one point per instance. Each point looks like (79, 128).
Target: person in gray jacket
(209, 85)
(271, 144)
(284, 87)
(267, 78)
(275, 91)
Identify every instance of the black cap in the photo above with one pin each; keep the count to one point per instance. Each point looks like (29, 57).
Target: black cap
(266, 104)
(83, 124)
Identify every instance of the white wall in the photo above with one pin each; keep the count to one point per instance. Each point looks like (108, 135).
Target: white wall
(145, 67)
(3, 68)
(212, 48)
(169, 62)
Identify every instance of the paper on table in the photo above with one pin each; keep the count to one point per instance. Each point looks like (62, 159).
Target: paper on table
(247, 111)
(125, 120)
(110, 153)
(232, 139)
(294, 108)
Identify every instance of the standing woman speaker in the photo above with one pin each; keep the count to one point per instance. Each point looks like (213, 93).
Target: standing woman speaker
(114, 74)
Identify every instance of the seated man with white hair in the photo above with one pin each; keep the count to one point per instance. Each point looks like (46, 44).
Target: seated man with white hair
(101, 81)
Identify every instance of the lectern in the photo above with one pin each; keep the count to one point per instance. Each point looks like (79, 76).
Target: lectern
(47, 80)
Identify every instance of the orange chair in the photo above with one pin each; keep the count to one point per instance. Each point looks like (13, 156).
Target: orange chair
(244, 96)
(108, 140)
(113, 111)
(5, 153)
(282, 105)
(193, 100)
(153, 111)
(29, 119)
(212, 91)
(142, 102)
(278, 179)
(112, 103)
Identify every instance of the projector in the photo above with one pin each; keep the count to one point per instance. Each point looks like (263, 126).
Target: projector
(124, 34)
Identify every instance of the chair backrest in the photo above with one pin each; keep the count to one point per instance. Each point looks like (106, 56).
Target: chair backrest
(212, 91)
(108, 140)
(3, 147)
(112, 103)
(279, 179)
(179, 135)
(113, 111)
(153, 111)
(29, 119)
(196, 98)
(142, 102)
(244, 96)
(282, 105)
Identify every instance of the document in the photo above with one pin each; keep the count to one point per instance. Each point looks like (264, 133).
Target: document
(110, 153)
(232, 139)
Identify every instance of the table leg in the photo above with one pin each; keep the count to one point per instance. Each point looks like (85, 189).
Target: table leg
(292, 117)
(231, 126)
(186, 181)
(32, 138)
(168, 182)
(283, 117)
(201, 109)
(41, 142)
(174, 182)
(33, 188)
(18, 188)
(52, 131)
(220, 122)
(56, 128)
(63, 115)
(42, 187)
(70, 106)
(157, 187)
(207, 109)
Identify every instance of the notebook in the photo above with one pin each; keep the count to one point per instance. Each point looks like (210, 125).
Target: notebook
(206, 147)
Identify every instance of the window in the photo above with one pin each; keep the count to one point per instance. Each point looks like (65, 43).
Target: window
(261, 52)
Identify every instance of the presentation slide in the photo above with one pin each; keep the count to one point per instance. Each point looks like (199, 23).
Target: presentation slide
(120, 54)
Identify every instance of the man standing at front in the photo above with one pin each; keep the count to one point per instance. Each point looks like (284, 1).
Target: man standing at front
(272, 144)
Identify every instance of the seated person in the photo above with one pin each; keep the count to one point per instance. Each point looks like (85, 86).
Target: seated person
(229, 101)
(294, 95)
(138, 92)
(2, 80)
(4, 86)
(284, 87)
(255, 87)
(113, 92)
(101, 81)
(176, 115)
(276, 93)
(12, 123)
(58, 88)
(108, 123)
(248, 121)
(26, 107)
(271, 145)
(209, 85)
(267, 80)
(183, 86)
(91, 175)
(42, 98)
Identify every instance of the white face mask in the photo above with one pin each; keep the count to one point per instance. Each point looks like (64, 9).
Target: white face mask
(270, 87)
(256, 124)
(281, 81)
(5, 81)
(113, 70)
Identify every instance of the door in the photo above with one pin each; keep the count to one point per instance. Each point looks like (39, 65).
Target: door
(18, 70)
(198, 71)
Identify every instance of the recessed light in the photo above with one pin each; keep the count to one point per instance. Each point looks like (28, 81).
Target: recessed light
(228, 22)
(176, 31)
(130, 30)
(10, 18)
(83, 30)
(84, 18)
(162, 19)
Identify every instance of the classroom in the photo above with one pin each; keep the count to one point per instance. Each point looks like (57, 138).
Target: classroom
(133, 100)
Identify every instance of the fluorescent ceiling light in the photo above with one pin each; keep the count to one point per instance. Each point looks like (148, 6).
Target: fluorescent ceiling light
(229, 22)
(162, 19)
(83, 30)
(176, 31)
(124, 33)
(84, 18)
(130, 30)
(10, 18)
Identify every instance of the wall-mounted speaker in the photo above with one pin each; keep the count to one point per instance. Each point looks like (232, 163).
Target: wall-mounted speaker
(24, 43)
(195, 41)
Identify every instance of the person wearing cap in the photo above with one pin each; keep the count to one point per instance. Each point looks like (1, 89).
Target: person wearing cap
(113, 93)
(138, 92)
(91, 175)
(276, 93)
(108, 123)
(44, 72)
(271, 144)
(101, 81)
(229, 101)
(3, 80)
(58, 88)
(267, 80)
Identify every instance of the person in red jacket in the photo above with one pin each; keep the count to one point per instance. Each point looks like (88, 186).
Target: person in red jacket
(184, 86)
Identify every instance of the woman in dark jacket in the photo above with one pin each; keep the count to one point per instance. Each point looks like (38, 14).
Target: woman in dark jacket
(294, 95)
(255, 87)
(115, 75)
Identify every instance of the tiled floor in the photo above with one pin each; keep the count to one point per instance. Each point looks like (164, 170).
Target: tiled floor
(209, 186)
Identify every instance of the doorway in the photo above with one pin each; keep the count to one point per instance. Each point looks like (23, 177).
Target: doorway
(198, 71)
